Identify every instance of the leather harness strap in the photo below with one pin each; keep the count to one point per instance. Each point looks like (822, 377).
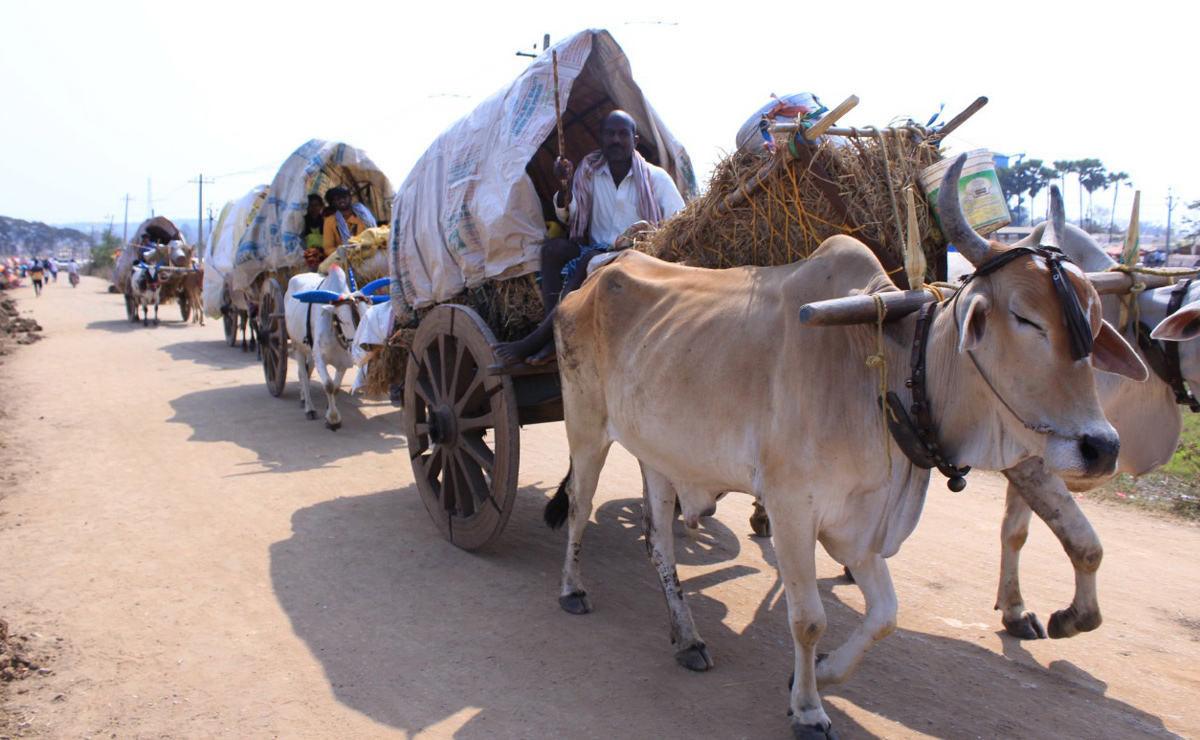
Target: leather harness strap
(921, 444)
(1163, 357)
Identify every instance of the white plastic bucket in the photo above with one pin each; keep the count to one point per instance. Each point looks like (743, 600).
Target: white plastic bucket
(978, 191)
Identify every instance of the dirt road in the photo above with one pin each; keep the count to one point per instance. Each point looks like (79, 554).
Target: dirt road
(193, 559)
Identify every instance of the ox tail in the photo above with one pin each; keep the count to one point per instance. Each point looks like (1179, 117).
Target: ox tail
(557, 507)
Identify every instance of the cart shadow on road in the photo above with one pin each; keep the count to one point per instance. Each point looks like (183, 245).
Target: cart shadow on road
(419, 635)
(248, 416)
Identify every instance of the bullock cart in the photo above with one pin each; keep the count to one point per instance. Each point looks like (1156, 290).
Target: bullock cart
(465, 247)
(172, 255)
(464, 408)
(272, 248)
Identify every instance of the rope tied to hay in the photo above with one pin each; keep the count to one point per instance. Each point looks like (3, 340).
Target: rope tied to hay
(879, 362)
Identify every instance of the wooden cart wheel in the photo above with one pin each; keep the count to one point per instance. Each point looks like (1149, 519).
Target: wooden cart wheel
(131, 308)
(185, 306)
(272, 336)
(462, 427)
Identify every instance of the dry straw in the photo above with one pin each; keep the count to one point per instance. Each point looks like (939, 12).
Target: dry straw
(789, 216)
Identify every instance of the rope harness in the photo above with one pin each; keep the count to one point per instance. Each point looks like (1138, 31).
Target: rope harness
(916, 435)
(1163, 357)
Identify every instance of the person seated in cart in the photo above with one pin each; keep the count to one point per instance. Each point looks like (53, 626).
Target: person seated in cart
(614, 194)
(348, 219)
(313, 232)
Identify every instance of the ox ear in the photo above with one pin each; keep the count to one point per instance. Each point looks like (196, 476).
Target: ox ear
(1112, 354)
(329, 309)
(1180, 326)
(974, 323)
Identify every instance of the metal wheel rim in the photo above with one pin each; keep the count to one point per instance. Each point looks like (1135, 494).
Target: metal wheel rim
(272, 337)
(467, 478)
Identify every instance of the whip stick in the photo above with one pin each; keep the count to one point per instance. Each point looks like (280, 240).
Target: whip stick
(557, 108)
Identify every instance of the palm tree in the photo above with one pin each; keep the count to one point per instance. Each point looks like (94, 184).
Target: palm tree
(1092, 177)
(1115, 179)
(1041, 177)
(1061, 168)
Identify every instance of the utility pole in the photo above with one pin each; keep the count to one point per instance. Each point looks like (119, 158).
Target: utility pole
(200, 209)
(149, 199)
(125, 238)
(1170, 207)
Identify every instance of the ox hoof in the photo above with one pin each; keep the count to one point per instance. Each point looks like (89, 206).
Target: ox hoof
(760, 524)
(333, 427)
(310, 415)
(1069, 622)
(576, 603)
(813, 732)
(1026, 627)
(694, 658)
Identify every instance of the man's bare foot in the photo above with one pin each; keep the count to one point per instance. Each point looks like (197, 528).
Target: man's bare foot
(544, 356)
(512, 353)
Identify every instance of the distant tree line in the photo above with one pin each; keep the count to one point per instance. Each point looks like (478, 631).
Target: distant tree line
(1029, 177)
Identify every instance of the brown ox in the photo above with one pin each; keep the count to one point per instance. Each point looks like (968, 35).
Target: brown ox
(711, 381)
(1146, 415)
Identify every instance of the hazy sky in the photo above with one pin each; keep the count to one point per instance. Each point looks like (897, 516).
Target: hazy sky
(99, 98)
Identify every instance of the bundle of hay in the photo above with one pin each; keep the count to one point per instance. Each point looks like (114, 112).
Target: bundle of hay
(745, 218)
(510, 308)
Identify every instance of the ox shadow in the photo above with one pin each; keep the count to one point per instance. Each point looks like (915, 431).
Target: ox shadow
(217, 355)
(951, 688)
(248, 416)
(124, 326)
(419, 635)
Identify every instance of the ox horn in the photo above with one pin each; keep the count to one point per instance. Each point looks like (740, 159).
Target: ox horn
(954, 224)
(1056, 225)
(317, 296)
(375, 285)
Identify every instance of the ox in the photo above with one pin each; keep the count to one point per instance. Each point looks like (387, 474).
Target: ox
(147, 290)
(192, 291)
(322, 315)
(797, 419)
(1146, 415)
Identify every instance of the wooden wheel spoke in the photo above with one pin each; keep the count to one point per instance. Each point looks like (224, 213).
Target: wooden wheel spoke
(425, 391)
(468, 424)
(452, 391)
(438, 370)
(461, 401)
(479, 451)
(476, 483)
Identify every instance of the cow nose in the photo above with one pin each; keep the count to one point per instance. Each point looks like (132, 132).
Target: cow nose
(1099, 452)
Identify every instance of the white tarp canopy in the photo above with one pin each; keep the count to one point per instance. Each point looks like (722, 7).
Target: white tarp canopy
(475, 205)
(222, 244)
(273, 241)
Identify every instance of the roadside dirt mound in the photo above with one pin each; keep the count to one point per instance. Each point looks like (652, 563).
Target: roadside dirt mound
(18, 658)
(13, 328)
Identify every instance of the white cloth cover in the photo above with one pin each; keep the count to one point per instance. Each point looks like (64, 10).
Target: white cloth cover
(372, 331)
(468, 212)
(222, 244)
(273, 241)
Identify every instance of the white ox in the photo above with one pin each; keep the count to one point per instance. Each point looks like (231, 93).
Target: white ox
(146, 288)
(1148, 419)
(711, 381)
(322, 315)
